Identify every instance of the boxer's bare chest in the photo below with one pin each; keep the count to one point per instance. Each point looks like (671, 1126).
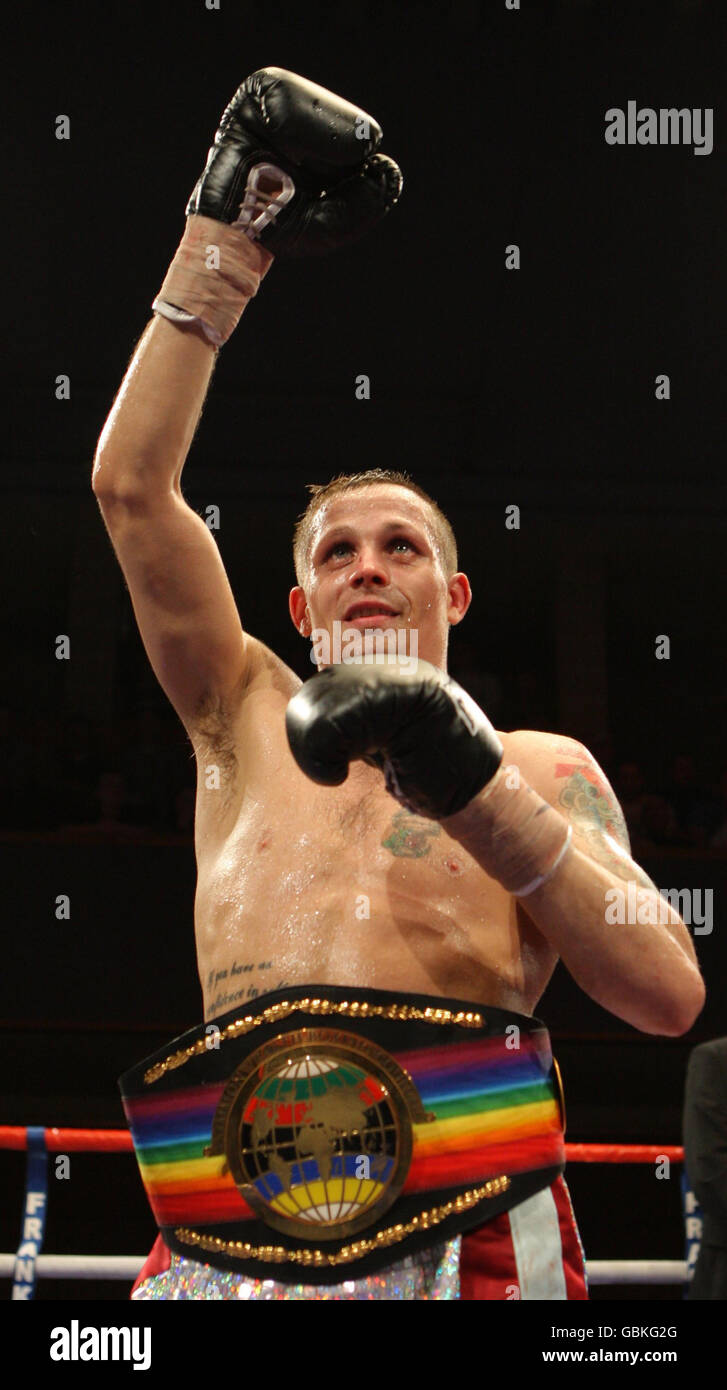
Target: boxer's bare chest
(300, 883)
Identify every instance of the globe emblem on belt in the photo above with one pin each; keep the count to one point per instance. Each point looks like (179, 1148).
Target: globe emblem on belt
(316, 1127)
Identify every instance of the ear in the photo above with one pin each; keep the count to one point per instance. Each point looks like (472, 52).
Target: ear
(460, 598)
(299, 611)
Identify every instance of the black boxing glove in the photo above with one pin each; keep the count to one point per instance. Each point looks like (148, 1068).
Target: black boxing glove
(434, 745)
(295, 166)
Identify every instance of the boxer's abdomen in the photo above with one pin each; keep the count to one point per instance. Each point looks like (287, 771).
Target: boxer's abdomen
(342, 886)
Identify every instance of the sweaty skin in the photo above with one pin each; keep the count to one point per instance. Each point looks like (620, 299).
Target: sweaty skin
(342, 885)
(299, 883)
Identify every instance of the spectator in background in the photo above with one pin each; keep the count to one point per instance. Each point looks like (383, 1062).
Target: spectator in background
(692, 805)
(110, 821)
(629, 785)
(705, 1157)
(650, 819)
(658, 824)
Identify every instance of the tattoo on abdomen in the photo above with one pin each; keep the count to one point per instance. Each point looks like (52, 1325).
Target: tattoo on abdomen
(225, 999)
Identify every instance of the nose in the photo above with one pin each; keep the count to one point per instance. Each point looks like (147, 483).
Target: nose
(370, 569)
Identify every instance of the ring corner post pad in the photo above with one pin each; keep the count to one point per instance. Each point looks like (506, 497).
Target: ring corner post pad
(34, 1216)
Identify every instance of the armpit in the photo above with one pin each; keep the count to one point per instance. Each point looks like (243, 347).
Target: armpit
(212, 736)
(273, 671)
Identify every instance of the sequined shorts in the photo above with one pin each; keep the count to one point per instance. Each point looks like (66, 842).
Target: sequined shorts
(430, 1274)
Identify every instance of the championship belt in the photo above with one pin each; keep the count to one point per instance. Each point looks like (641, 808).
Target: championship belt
(323, 1129)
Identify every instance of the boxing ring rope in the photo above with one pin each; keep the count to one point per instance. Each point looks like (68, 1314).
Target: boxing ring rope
(126, 1267)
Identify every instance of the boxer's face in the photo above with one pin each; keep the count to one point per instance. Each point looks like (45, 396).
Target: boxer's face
(375, 547)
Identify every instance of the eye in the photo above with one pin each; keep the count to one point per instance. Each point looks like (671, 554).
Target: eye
(339, 545)
(342, 546)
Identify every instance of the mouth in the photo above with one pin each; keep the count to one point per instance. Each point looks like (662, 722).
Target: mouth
(369, 615)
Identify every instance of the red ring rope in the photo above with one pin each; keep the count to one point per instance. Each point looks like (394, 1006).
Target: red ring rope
(119, 1141)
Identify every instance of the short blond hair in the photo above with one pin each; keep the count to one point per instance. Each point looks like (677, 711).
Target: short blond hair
(373, 477)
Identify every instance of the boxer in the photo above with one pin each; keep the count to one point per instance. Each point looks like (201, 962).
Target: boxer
(385, 882)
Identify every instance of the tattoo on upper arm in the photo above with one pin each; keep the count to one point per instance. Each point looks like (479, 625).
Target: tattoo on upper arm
(596, 815)
(590, 803)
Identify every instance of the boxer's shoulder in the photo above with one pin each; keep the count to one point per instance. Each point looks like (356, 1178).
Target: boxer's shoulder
(546, 760)
(540, 750)
(566, 774)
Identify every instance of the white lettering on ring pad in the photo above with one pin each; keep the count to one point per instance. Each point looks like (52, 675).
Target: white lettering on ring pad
(267, 190)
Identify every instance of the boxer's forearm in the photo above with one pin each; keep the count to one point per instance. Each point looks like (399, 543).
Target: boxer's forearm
(644, 973)
(147, 436)
(640, 971)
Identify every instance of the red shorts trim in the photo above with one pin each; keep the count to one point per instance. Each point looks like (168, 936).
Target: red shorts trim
(531, 1252)
(157, 1262)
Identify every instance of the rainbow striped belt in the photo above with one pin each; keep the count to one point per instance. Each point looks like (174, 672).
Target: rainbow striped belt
(328, 1128)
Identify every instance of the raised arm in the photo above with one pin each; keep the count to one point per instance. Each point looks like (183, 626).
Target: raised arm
(182, 599)
(325, 188)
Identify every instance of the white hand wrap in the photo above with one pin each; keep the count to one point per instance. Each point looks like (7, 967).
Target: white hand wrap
(527, 839)
(212, 297)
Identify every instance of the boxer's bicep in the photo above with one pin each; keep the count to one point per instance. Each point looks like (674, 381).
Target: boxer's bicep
(582, 792)
(182, 600)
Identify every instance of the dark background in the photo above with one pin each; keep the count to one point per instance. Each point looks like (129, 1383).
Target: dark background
(533, 387)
